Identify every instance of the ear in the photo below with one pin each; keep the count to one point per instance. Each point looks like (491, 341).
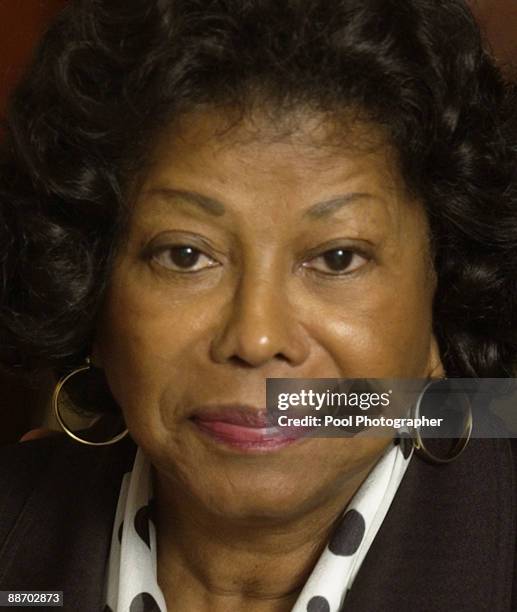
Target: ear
(435, 365)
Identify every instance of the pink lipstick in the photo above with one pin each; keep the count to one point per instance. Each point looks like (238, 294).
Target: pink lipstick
(243, 428)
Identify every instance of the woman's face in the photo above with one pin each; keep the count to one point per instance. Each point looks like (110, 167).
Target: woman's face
(251, 256)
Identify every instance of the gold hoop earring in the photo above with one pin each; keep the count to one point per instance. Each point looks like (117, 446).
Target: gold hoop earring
(55, 403)
(460, 445)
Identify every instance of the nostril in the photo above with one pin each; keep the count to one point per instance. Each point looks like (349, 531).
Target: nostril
(240, 362)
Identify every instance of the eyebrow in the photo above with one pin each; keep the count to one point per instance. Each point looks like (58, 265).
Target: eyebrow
(331, 206)
(205, 203)
(216, 208)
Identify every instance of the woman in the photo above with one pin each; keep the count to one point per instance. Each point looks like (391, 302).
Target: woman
(198, 196)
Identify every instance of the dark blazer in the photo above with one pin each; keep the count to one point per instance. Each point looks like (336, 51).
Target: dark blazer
(447, 543)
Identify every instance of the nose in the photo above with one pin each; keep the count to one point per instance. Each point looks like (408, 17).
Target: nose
(259, 326)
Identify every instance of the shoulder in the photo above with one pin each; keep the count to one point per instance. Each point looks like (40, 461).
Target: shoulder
(23, 461)
(53, 471)
(23, 464)
(58, 503)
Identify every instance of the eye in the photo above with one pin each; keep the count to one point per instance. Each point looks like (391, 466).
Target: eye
(337, 261)
(183, 258)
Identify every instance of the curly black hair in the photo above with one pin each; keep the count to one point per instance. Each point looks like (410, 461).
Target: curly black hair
(110, 74)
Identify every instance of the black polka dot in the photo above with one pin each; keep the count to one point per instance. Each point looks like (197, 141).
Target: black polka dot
(318, 604)
(406, 444)
(144, 602)
(348, 535)
(119, 535)
(142, 524)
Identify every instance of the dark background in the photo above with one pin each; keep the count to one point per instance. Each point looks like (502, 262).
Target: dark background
(23, 405)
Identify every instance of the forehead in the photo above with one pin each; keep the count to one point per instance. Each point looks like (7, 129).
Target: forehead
(297, 149)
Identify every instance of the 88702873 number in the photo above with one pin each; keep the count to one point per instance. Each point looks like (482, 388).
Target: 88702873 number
(31, 598)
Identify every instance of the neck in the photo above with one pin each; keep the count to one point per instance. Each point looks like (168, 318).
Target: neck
(211, 562)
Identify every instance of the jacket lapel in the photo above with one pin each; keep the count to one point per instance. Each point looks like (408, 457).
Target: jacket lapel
(61, 538)
(448, 541)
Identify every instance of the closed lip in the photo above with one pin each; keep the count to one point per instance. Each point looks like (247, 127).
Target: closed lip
(245, 416)
(245, 427)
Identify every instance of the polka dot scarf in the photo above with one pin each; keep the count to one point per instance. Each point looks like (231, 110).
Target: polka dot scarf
(131, 581)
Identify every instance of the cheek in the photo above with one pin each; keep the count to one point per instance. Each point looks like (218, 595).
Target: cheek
(379, 331)
(148, 346)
